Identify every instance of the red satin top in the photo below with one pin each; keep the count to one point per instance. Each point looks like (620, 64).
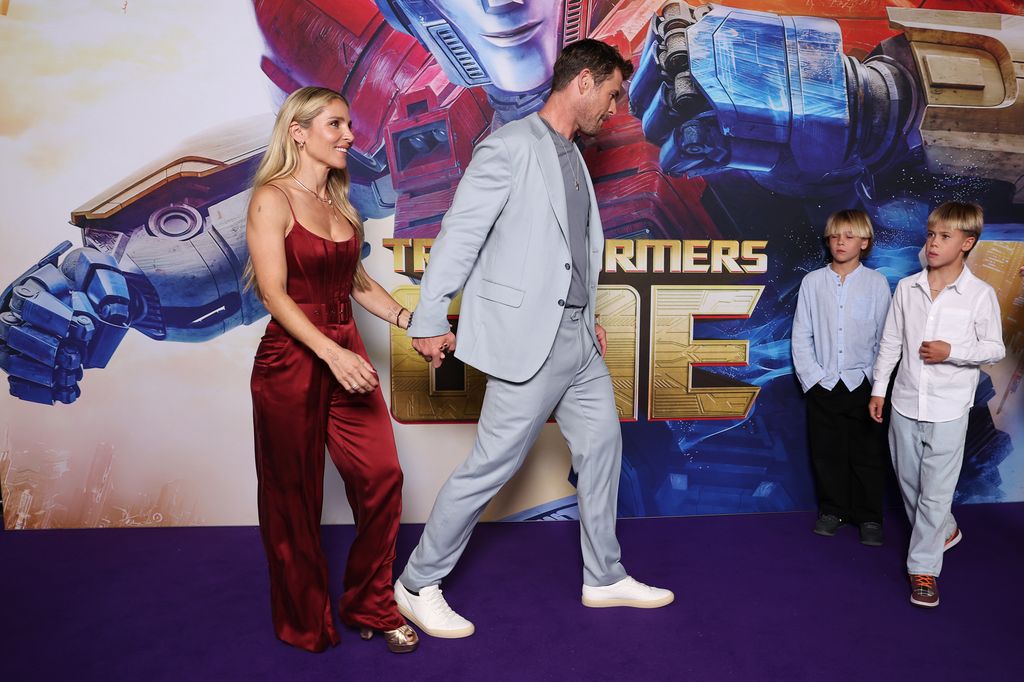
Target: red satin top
(320, 273)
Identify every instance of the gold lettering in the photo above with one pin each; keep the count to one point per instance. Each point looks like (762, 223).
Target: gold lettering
(724, 255)
(414, 394)
(690, 255)
(420, 254)
(619, 253)
(619, 308)
(675, 352)
(416, 398)
(658, 247)
(398, 246)
(749, 253)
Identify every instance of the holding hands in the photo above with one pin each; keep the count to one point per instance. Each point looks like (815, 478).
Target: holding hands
(434, 349)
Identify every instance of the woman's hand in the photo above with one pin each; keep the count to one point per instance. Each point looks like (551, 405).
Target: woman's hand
(602, 338)
(353, 373)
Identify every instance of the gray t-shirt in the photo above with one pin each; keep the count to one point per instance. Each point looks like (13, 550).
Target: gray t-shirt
(577, 202)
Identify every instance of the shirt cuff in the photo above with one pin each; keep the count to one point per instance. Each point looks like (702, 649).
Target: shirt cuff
(424, 329)
(809, 382)
(956, 354)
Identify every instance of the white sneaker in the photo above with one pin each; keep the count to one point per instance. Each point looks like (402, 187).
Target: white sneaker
(627, 592)
(953, 540)
(431, 613)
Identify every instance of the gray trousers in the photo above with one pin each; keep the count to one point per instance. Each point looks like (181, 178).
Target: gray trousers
(574, 385)
(927, 457)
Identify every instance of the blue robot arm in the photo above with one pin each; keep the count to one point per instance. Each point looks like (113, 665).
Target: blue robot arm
(56, 321)
(164, 254)
(721, 88)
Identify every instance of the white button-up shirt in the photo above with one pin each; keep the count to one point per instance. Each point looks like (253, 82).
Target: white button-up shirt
(966, 316)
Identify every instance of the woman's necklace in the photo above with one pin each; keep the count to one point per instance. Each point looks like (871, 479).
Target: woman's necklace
(327, 200)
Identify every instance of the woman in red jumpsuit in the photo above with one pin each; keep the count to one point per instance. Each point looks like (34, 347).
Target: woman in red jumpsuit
(313, 385)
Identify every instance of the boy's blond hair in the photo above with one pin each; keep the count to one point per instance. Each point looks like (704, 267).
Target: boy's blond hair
(851, 220)
(968, 218)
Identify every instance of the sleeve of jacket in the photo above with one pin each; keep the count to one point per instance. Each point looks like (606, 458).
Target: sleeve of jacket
(482, 193)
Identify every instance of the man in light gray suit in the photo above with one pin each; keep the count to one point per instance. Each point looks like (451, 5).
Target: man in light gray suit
(523, 239)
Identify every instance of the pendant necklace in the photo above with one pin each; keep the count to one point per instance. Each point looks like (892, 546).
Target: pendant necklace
(575, 162)
(322, 200)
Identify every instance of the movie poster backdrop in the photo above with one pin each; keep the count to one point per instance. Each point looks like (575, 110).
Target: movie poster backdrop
(131, 130)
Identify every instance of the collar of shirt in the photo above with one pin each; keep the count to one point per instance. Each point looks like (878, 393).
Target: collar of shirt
(835, 275)
(958, 284)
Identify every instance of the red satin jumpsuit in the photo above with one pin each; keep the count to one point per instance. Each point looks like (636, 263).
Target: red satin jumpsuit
(298, 409)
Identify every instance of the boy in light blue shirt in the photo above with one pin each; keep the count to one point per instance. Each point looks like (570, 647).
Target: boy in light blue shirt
(840, 314)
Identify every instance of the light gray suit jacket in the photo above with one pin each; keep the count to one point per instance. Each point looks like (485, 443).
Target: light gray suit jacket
(505, 241)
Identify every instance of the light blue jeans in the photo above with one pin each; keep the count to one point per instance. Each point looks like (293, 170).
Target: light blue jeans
(927, 457)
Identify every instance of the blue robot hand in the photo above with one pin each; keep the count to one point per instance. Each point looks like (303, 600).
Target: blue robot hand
(722, 88)
(56, 321)
(674, 113)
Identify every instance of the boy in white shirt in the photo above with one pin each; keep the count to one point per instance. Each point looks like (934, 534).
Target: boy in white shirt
(945, 323)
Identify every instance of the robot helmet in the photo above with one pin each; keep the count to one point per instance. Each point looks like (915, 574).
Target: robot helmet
(422, 20)
(456, 53)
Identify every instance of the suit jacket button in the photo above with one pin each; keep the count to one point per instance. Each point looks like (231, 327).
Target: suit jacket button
(568, 267)
(561, 303)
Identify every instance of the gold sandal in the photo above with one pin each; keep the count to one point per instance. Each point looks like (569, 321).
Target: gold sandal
(401, 640)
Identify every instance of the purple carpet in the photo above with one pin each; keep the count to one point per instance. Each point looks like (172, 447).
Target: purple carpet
(758, 598)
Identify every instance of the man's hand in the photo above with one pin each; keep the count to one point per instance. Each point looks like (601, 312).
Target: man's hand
(602, 337)
(933, 352)
(875, 406)
(434, 349)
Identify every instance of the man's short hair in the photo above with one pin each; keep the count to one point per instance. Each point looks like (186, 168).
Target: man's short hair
(601, 58)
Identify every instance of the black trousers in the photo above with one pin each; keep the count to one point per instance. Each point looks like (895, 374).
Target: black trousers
(846, 453)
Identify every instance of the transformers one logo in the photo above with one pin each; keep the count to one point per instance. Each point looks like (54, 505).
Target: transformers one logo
(667, 369)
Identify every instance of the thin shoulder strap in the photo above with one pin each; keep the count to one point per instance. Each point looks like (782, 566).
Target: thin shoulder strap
(286, 199)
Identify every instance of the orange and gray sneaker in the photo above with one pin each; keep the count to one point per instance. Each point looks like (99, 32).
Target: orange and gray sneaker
(953, 540)
(924, 590)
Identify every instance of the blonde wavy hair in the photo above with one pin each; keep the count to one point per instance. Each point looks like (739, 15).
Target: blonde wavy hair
(282, 159)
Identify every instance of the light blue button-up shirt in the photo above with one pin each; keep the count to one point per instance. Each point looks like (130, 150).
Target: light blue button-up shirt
(837, 327)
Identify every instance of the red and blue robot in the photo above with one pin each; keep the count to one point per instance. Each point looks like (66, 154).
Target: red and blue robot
(742, 123)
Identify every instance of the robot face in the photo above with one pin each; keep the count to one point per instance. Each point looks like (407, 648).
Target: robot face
(515, 41)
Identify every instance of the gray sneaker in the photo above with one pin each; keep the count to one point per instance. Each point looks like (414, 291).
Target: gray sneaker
(871, 534)
(828, 524)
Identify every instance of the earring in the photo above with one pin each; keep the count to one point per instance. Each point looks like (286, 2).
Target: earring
(302, 144)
